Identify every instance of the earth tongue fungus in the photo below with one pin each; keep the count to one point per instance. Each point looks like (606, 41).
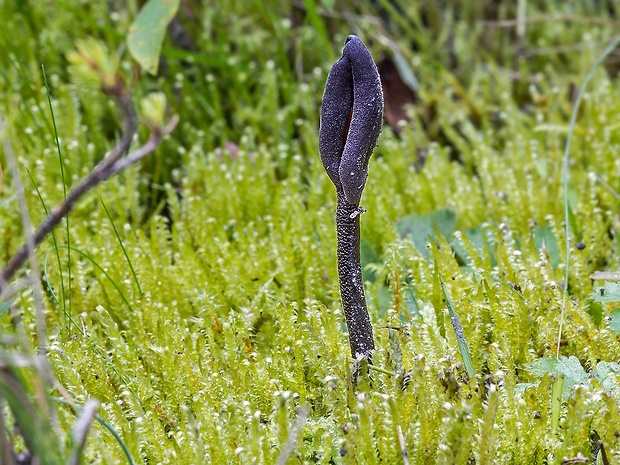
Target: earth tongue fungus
(351, 121)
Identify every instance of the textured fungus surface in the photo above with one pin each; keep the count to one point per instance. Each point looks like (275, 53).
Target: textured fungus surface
(353, 98)
(351, 120)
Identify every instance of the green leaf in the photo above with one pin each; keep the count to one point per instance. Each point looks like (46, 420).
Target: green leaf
(569, 367)
(609, 293)
(404, 70)
(614, 324)
(146, 34)
(542, 366)
(545, 239)
(602, 372)
(421, 228)
(458, 331)
(573, 372)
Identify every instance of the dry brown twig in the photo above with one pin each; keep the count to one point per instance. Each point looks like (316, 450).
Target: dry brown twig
(114, 163)
(81, 429)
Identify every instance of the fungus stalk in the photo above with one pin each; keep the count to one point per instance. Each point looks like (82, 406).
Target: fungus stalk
(351, 121)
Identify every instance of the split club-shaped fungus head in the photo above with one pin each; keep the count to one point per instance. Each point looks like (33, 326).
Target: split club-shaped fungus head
(351, 119)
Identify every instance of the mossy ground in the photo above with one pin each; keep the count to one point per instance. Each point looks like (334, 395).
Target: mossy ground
(230, 229)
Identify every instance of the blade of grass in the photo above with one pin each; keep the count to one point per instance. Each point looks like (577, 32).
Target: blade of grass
(506, 285)
(48, 281)
(64, 188)
(6, 450)
(318, 25)
(62, 282)
(403, 447)
(458, 331)
(4, 307)
(610, 48)
(122, 246)
(90, 259)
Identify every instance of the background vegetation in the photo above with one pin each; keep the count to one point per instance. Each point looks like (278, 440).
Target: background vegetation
(202, 308)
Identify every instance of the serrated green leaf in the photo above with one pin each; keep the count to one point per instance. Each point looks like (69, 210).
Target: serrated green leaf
(542, 366)
(146, 33)
(412, 305)
(421, 228)
(569, 367)
(609, 293)
(603, 371)
(614, 324)
(572, 371)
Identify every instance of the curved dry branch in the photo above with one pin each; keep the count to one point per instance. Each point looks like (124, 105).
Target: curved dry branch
(109, 166)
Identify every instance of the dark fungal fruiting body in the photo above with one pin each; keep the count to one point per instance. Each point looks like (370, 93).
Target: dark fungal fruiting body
(351, 121)
(352, 100)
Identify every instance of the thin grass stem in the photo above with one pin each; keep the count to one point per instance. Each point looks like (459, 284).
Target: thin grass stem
(565, 175)
(64, 189)
(122, 246)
